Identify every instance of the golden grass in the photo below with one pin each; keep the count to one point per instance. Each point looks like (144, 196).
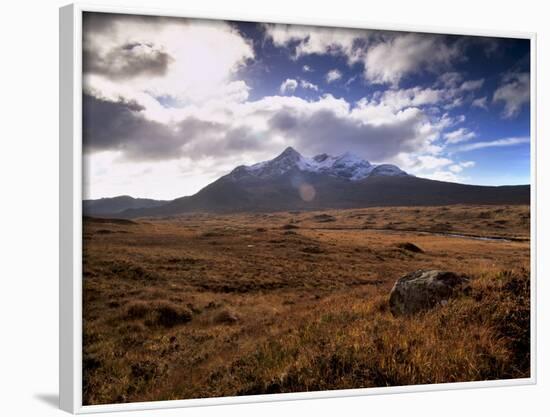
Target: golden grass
(210, 305)
(481, 336)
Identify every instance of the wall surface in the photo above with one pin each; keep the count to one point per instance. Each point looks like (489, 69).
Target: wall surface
(29, 203)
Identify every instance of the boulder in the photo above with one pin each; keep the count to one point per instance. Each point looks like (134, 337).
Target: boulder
(425, 289)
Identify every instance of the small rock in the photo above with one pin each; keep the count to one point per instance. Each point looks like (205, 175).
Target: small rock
(411, 247)
(424, 289)
(324, 218)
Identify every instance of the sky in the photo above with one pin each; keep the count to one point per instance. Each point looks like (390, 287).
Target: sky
(172, 104)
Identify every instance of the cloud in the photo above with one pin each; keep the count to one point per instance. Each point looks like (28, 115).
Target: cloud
(315, 133)
(459, 135)
(127, 56)
(513, 92)
(307, 85)
(428, 162)
(333, 75)
(459, 167)
(127, 61)
(387, 57)
(411, 97)
(456, 91)
(377, 135)
(431, 99)
(350, 81)
(121, 126)
(288, 86)
(472, 85)
(259, 127)
(450, 79)
(447, 176)
(124, 58)
(480, 102)
(389, 61)
(433, 167)
(162, 92)
(308, 40)
(493, 144)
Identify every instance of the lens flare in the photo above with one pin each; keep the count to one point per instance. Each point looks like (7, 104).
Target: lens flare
(307, 192)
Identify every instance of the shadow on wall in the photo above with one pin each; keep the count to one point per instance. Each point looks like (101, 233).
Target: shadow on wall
(49, 399)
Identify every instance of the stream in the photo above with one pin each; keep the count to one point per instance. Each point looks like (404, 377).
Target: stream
(425, 232)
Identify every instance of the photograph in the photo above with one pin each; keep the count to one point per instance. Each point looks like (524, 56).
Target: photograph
(273, 208)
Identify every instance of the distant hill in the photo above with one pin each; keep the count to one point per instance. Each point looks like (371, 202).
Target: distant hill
(293, 182)
(107, 206)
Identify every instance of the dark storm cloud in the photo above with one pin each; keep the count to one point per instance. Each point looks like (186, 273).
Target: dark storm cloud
(98, 22)
(121, 126)
(126, 60)
(110, 125)
(324, 131)
(284, 121)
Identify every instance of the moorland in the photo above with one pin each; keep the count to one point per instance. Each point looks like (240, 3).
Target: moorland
(209, 305)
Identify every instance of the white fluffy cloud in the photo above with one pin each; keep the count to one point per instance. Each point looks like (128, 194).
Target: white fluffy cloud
(333, 75)
(193, 67)
(386, 58)
(434, 167)
(514, 92)
(428, 162)
(288, 86)
(308, 86)
(390, 61)
(442, 175)
(411, 97)
(315, 40)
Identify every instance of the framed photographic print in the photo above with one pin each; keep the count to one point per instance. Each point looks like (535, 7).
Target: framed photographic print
(256, 210)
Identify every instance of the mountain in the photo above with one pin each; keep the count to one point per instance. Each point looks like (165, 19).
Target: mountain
(293, 182)
(348, 166)
(115, 205)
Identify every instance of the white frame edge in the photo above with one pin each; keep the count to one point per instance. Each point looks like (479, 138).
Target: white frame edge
(68, 381)
(70, 213)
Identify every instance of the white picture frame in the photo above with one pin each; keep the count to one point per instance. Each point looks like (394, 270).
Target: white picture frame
(70, 206)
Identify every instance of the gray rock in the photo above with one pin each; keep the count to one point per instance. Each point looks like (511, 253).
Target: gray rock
(425, 289)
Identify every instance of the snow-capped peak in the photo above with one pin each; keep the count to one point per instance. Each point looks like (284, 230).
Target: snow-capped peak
(289, 152)
(346, 165)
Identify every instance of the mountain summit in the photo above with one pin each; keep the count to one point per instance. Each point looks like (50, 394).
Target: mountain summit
(347, 166)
